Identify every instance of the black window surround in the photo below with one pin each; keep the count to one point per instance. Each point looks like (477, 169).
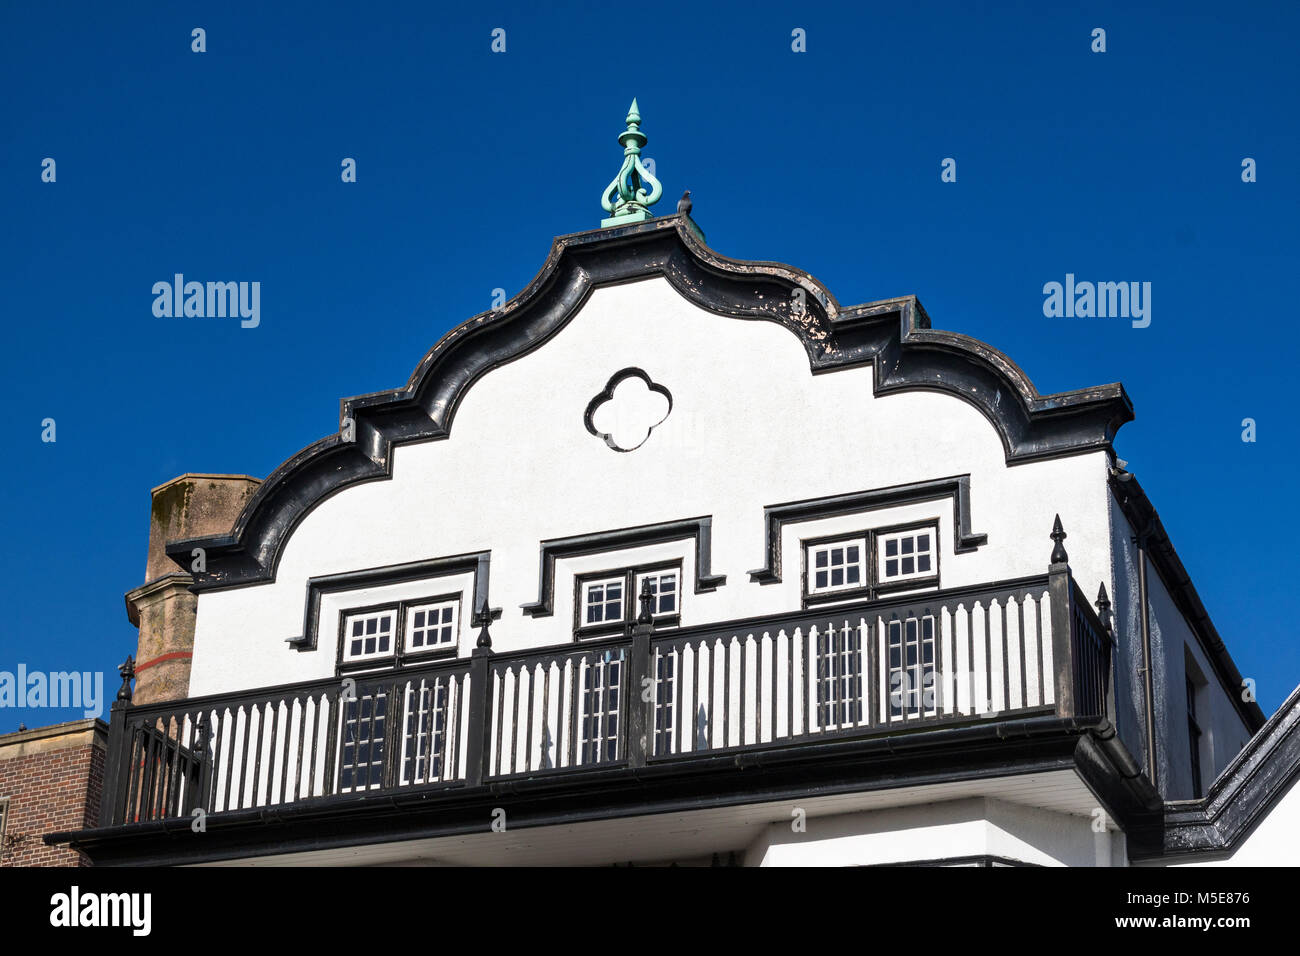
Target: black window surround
(478, 563)
(401, 655)
(874, 584)
(884, 582)
(698, 529)
(629, 576)
(385, 612)
(810, 546)
(775, 517)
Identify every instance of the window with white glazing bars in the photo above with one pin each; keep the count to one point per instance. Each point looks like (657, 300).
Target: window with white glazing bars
(426, 730)
(361, 761)
(602, 684)
(839, 677)
(911, 666)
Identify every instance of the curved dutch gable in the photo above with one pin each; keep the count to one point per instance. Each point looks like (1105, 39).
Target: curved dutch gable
(893, 335)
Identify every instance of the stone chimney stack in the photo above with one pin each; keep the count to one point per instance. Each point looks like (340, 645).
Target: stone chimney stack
(163, 607)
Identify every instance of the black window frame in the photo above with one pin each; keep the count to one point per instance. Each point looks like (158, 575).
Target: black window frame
(401, 656)
(603, 706)
(665, 677)
(352, 715)
(911, 696)
(878, 582)
(368, 663)
(631, 603)
(429, 698)
(840, 681)
(806, 547)
(873, 585)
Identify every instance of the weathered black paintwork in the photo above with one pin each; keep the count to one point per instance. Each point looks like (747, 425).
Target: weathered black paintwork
(1258, 777)
(893, 335)
(608, 392)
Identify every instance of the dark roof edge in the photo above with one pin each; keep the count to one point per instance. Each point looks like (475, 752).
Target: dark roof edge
(1141, 513)
(1241, 797)
(894, 335)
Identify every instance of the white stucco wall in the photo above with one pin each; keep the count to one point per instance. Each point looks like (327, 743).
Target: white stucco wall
(750, 426)
(978, 826)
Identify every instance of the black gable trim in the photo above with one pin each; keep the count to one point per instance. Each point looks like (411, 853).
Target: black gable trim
(1249, 787)
(894, 335)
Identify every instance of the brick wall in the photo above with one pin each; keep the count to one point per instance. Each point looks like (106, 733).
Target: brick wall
(53, 778)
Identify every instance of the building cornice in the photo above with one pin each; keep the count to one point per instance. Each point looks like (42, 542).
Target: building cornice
(198, 475)
(73, 733)
(894, 336)
(154, 590)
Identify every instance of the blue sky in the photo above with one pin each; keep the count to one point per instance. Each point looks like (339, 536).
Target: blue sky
(225, 165)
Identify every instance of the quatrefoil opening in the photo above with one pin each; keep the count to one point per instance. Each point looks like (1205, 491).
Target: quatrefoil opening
(628, 410)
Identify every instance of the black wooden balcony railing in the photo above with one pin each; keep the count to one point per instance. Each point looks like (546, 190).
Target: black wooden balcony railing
(1015, 648)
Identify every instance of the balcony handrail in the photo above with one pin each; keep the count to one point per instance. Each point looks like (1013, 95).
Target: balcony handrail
(1095, 645)
(770, 622)
(466, 721)
(763, 622)
(533, 654)
(277, 691)
(1088, 611)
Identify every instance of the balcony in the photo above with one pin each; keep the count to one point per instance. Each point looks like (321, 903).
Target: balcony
(591, 715)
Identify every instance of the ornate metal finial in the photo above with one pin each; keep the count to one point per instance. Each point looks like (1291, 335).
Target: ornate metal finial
(127, 670)
(626, 197)
(201, 734)
(1103, 609)
(485, 616)
(647, 616)
(1058, 535)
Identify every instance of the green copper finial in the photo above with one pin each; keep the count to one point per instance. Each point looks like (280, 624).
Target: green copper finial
(626, 197)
